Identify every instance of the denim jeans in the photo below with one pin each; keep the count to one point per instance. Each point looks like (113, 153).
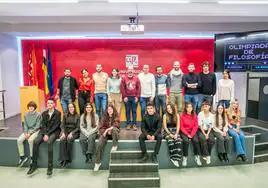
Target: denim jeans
(192, 99)
(100, 103)
(131, 107)
(160, 101)
(225, 103)
(64, 104)
(203, 98)
(143, 102)
(239, 141)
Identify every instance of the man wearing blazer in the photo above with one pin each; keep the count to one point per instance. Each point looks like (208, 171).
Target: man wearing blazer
(50, 130)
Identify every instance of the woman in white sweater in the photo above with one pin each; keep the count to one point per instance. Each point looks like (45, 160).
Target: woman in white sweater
(89, 124)
(225, 90)
(205, 134)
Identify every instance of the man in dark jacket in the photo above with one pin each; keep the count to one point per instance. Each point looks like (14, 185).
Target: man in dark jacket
(151, 130)
(67, 89)
(50, 130)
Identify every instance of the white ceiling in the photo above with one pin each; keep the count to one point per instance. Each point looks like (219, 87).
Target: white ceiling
(100, 13)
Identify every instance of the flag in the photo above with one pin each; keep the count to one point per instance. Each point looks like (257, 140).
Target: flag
(50, 83)
(32, 68)
(44, 68)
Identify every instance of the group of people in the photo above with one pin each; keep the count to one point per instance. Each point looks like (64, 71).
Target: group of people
(157, 111)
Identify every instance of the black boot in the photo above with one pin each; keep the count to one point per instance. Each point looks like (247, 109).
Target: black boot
(220, 156)
(154, 158)
(244, 158)
(225, 157)
(32, 169)
(88, 158)
(49, 169)
(144, 157)
(239, 158)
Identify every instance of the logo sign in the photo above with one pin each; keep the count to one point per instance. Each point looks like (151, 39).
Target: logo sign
(132, 61)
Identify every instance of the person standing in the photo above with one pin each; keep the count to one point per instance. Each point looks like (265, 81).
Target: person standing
(109, 128)
(205, 133)
(161, 83)
(89, 126)
(130, 90)
(191, 83)
(171, 126)
(67, 89)
(69, 132)
(175, 86)
(113, 90)
(188, 131)
(208, 87)
(150, 130)
(31, 127)
(147, 81)
(86, 90)
(220, 129)
(50, 130)
(226, 90)
(100, 80)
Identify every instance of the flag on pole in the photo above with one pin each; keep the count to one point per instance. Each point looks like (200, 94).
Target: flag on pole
(44, 68)
(50, 83)
(32, 68)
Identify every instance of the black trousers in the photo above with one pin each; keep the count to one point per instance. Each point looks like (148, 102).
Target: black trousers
(38, 141)
(206, 144)
(142, 139)
(186, 141)
(88, 144)
(83, 98)
(222, 142)
(66, 146)
(175, 148)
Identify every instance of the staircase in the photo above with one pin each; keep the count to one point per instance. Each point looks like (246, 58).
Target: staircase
(261, 149)
(126, 170)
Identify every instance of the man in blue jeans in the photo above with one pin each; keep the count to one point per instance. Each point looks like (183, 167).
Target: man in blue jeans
(147, 81)
(191, 83)
(161, 82)
(100, 80)
(130, 90)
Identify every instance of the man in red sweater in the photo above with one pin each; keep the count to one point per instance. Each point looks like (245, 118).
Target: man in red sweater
(130, 90)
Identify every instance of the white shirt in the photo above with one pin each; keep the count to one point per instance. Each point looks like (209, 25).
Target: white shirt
(205, 122)
(225, 90)
(147, 84)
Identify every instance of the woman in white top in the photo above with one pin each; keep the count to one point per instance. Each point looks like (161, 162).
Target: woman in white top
(220, 128)
(89, 122)
(225, 90)
(205, 134)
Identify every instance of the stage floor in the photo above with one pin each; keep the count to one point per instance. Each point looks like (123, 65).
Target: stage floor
(12, 128)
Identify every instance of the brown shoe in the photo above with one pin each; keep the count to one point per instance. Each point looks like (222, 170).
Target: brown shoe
(129, 127)
(134, 127)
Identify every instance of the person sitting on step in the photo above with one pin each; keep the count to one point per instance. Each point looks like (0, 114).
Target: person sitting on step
(171, 125)
(151, 130)
(31, 127)
(109, 128)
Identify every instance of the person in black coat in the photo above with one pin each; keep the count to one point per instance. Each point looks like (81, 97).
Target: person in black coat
(151, 130)
(67, 89)
(50, 130)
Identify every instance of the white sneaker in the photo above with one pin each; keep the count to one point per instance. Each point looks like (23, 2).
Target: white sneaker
(197, 160)
(184, 161)
(208, 160)
(97, 166)
(175, 163)
(114, 148)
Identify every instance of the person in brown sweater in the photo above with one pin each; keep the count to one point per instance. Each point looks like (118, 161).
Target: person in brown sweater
(109, 128)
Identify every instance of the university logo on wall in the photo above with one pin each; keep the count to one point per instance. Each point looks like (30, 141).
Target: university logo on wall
(132, 60)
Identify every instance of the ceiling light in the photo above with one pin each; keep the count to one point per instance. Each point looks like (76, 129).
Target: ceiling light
(149, 1)
(242, 2)
(39, 1)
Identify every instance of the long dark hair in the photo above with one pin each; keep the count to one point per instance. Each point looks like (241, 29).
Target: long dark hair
(92, 116)
(75, 111)
(185, 110)
(106, 118)
(228, 72)
(172, 117)
(222, 115)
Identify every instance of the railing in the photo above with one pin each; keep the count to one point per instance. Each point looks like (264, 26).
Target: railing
(2, 102)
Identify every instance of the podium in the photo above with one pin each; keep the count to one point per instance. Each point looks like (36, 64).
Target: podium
(31, 93)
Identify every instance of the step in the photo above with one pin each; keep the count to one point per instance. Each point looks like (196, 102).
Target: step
(128, 154)
(132, 165)
(261, 156)
(260, 146)
(129, 180)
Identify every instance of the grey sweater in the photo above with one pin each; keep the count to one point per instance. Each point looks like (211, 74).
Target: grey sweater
(175, 83)
(31, 122)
